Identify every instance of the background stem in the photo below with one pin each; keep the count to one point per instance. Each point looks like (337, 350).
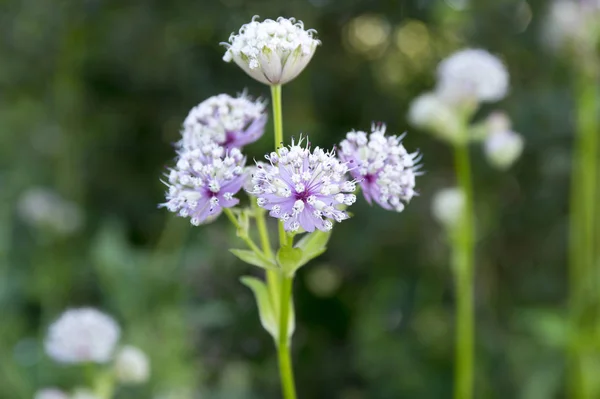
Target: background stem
(463, 248)
(583, 276)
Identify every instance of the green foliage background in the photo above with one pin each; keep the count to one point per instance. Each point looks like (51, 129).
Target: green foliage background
(92, 95)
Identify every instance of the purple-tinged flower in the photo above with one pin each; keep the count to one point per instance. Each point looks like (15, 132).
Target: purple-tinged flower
(385, 170)
(231, 122)
(204, 181)
(304, 189)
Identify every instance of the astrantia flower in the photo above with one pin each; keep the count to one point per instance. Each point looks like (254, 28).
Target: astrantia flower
(82, 335)
(204, 181)
(132, 365)
(385, 170)
(472, 75)
(447, 206)
(430, 112)
(272, 52)
(231, 122)
(50, 393)
(304, 189)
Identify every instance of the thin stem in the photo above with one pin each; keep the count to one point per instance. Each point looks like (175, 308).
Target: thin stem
(283, 346)
(244, 237)
(583, 277)
(263, 232)
(463, 248)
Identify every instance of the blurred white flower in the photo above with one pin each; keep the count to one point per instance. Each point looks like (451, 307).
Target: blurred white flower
(447, 206)
(431, 113)
(272, 52)
(83, 393)
(503, 147)
(573, 23)
(82, 335)
(44, 208)
(472, 75)
(50, 393)
(132, 365)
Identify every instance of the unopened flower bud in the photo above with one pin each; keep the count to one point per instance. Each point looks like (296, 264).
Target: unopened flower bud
(503, 148)
(447, 206)
(132, 365)
(431, 113)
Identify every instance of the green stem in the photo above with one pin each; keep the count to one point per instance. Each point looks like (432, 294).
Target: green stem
(263, 232)
(278, 134)
(583, 277)
(244, 237)
(463, 248)
(283, 346)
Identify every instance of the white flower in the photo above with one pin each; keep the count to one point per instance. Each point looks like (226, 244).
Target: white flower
(272, 52)
(503, 147)
(472, 75)
(84, 393)
(447, 206)
(430, 112)
(132, 365)
(44, 208)
(82, 335)
(50, 393)
(573, 23)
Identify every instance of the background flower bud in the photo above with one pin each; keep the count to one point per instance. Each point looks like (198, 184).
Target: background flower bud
(132, 365)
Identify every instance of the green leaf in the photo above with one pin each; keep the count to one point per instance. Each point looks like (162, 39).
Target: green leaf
(312, 245)
(253, 258)
(289, 258)
(268, 318)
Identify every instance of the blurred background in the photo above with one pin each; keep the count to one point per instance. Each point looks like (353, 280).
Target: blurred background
(92, 96)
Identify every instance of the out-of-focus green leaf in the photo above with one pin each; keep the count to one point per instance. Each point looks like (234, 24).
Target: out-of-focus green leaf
(252, 258)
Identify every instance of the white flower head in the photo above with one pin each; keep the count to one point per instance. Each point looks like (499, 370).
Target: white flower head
(82, 335)
(44, 208)
(231, 122)
(430, 112)
(50, 393)
(83, 393)
(573, 23)
(272, 52)
(502, 146)
(447, 206)
(132, 365)
(472, 75)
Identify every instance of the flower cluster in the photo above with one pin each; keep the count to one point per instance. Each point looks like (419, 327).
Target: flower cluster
(385, 170)
(204, 181)
(231, 122)
(303, 188)
(272, 52)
